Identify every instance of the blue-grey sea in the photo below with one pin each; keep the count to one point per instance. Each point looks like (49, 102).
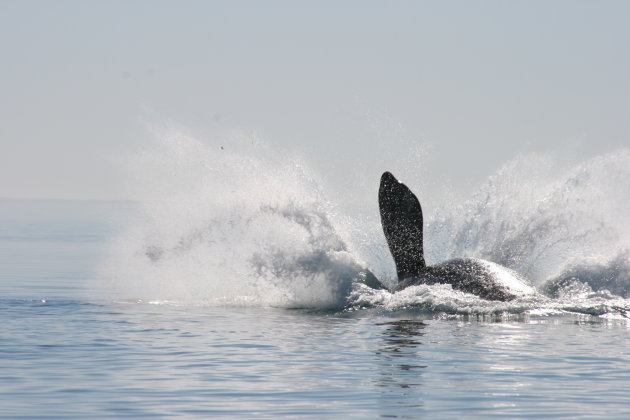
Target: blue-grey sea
(178, 309)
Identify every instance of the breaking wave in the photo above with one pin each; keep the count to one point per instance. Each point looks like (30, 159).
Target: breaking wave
(248, 225)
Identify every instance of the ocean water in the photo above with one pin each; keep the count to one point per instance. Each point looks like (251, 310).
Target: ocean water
(231, 292)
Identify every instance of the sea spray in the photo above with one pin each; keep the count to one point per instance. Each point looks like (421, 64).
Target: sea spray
(540, 218)
(235, 224)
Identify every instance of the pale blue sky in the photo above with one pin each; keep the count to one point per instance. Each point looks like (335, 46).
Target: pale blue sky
(350, 85)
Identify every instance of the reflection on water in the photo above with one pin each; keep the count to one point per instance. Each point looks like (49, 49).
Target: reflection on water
(400, 376)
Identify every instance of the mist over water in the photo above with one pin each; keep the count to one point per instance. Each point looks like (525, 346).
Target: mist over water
(237, 222)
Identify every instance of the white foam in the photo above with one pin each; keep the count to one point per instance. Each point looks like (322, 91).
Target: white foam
(233, 225)
(538, 216)
(233, 222)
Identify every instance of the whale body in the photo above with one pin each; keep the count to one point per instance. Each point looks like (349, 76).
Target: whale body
(401, 219)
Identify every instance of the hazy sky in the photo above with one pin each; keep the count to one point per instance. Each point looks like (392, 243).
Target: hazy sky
(347, 84)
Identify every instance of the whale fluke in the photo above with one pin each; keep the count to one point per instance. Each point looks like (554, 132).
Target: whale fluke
(401, 218)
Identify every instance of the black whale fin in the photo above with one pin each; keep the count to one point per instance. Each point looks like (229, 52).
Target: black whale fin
(401, 218)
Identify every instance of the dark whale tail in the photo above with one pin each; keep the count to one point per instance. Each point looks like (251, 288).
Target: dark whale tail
(401, 218)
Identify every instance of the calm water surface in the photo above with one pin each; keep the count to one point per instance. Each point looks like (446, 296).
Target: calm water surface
(66, 351)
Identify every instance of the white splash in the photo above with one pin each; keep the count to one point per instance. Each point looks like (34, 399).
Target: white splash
(540, 219)
(235, 222)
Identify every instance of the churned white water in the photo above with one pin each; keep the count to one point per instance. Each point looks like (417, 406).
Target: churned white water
(249, 225)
